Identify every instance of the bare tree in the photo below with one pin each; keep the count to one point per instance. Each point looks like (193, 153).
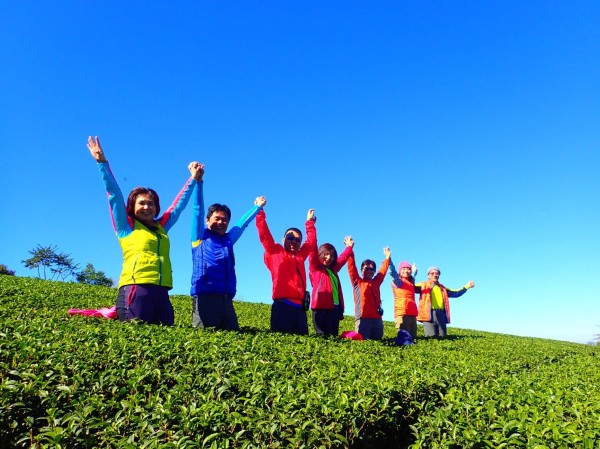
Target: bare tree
(46, 259)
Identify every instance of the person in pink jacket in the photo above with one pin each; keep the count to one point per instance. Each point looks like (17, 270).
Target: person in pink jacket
(327, 301)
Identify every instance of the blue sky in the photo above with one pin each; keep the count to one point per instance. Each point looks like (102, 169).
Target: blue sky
(461, 134)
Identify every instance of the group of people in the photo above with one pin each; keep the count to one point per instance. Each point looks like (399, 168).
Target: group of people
(146, 275)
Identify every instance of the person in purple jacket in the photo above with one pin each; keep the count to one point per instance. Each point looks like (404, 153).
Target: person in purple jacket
(146, 275)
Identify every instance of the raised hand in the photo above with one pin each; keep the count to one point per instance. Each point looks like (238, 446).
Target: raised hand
(387, 252)
(96, 149)
(196, 170)
(260, 201)
(348, 241)
(310, 215)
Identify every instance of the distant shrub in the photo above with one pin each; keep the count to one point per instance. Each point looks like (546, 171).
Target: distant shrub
(89, 275)
(4, 270)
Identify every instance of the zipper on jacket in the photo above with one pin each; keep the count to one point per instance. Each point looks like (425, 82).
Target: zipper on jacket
(227, 260)
(159, 259)
(133, 268)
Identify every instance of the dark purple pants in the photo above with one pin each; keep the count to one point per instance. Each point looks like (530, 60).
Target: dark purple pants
(147, 303)
(288, 319)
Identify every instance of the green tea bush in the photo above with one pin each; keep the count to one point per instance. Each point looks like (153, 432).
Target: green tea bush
(84, 382)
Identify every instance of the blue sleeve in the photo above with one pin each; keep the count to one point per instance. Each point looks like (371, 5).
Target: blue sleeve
(118, 212)
(456, 293)
(198, 213)
(238, 228)
(394, 275)
(172, 214)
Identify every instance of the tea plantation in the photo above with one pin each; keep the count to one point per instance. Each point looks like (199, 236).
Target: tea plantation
(77, 382)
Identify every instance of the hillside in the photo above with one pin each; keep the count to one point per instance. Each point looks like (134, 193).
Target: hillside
(85, 382)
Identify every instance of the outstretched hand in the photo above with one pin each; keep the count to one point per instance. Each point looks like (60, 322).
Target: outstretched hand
(310, 215)
(96, 149)
(260, 201)
(471, 284)
(196, 170)
(387, 252)
(348, 241)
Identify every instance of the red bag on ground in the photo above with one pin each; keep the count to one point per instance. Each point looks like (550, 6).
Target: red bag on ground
(352, 335)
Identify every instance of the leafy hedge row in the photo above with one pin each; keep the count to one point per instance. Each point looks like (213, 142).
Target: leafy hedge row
(81, 382)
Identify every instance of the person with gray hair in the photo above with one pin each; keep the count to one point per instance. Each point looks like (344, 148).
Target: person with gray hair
(434, 303)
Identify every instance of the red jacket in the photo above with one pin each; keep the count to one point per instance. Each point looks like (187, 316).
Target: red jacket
(287, 269)
(322, 295)
(367, 298)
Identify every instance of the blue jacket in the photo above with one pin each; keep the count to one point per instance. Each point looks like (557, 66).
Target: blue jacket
(212, 254)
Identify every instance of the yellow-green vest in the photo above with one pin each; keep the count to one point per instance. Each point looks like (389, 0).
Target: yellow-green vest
(146, 257)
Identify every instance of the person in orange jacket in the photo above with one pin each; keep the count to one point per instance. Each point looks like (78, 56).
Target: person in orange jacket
(367, 299)
(434, 303)
(404, 289)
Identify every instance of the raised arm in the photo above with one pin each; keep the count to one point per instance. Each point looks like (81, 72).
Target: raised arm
(238, 228)
(343, 258)
(198, 214)
(172, 214)
(311, 237)
(394, 274)
(352, 270)
(264, 234)
(380, 276)
(462, 291)
(116, 202)
(313, 251)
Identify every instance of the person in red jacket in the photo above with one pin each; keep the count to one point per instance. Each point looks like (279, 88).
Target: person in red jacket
(367, 299)
(286, 264)
(327, 302)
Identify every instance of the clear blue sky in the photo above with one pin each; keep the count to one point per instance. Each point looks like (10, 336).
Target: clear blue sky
(462, 134)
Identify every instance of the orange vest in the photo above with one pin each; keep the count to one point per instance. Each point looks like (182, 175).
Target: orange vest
(404, 299)
(425, 301)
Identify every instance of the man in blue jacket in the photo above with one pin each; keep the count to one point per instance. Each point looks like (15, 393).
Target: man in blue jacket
(213, 276)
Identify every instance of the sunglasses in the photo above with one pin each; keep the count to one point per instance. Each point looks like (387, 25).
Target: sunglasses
(367, 268)
(292, 238)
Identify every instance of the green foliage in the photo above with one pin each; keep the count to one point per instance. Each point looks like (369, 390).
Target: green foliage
(60, 265)
(83, 382)
(5, 270)
(93, 277)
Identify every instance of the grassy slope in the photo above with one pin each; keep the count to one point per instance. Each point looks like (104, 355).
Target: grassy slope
(80, 382)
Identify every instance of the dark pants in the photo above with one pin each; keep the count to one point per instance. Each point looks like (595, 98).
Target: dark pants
(211, 310)
(409, 324)
(369, 328)
(327, 321)
(437, 326)
(147, 303)
(288, 319)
